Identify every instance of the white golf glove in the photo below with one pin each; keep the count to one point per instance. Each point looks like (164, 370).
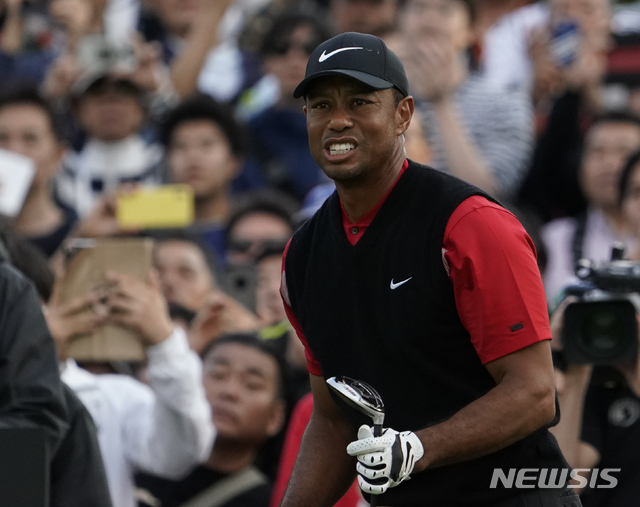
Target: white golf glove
(385, 461)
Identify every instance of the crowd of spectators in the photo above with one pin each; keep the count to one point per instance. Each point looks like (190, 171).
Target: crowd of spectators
(536, 103)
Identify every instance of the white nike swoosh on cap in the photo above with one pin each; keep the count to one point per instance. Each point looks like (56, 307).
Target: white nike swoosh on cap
(324, 56)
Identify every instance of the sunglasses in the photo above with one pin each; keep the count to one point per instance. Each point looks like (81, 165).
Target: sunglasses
(243, 246)
(283, 47)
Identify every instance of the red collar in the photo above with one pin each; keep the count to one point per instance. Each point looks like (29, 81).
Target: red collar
(354, 231)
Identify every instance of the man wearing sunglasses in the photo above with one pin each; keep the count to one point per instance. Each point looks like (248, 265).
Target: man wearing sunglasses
(280, 134)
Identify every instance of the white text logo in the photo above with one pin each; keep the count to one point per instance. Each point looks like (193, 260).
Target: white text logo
(545, 478)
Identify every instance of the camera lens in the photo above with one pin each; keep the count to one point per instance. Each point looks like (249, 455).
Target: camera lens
(602, 331)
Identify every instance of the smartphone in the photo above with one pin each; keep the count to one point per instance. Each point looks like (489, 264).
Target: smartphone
(239, 282)
(565, 42)
(100, 55)
(166, 206)
(87, 262)
(16, 174)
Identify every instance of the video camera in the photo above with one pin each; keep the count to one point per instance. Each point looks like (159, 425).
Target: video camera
(601, 328)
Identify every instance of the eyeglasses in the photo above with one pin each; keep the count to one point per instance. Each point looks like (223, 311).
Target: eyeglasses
(283, 47)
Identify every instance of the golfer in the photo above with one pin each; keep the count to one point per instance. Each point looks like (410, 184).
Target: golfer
(427, 289)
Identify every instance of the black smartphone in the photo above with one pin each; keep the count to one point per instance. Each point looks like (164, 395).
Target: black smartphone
(239, 281)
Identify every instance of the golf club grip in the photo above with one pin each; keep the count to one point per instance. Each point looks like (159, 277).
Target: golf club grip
(377, 432)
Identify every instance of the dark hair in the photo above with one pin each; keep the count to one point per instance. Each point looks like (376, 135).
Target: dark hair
(18, 94)
(27, 259)
(203, 107)
(616, 117)
(625, 176)
(283, 26)
(252, 340)
(271, 202)
(182, 235)
(397, 96)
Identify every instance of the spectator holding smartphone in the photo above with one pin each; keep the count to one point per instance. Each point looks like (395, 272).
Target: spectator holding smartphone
(162, 428)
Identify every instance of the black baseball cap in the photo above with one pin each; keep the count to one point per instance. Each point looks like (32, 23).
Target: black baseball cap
(363, 57)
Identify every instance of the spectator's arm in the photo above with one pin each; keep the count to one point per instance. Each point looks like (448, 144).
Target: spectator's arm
(171, 435)
(435, 73)
(173, 432)
(578, 453)
(202, 37)
(506, 141)
(11, 35)
(464, 159)
(572, 388)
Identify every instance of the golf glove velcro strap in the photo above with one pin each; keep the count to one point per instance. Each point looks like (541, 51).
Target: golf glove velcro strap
(385, 461)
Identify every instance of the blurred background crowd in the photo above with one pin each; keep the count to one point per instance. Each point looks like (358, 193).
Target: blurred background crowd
(105, 103)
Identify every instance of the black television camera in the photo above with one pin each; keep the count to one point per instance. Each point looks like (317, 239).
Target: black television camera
(601, 328)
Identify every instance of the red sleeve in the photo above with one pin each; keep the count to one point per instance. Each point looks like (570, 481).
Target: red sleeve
(312, 363)
(498, 290)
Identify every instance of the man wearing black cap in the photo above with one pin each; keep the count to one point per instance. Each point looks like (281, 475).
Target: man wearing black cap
(425, 288)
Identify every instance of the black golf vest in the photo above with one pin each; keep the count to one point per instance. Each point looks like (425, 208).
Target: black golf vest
(405, 339)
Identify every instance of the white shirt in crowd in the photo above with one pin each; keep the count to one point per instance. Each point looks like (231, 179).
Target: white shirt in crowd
(558, 236)
(163, 428)
(505, 56)
(101, 167)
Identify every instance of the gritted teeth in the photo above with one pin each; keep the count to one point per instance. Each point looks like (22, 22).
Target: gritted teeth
(340, 148)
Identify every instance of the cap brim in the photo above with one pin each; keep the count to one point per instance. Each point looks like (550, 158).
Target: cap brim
(372, 81)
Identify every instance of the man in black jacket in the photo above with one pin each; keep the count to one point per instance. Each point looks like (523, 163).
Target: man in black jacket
(33, 396)
(424, 287)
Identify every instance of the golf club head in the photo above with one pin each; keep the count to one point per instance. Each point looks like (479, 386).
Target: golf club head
(359, 395)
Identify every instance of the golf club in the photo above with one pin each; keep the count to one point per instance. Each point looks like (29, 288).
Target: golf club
(365, 399)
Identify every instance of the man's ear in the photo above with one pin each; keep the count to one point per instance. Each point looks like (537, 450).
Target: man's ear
(404, 113)
(276, 419)
(304, 108)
